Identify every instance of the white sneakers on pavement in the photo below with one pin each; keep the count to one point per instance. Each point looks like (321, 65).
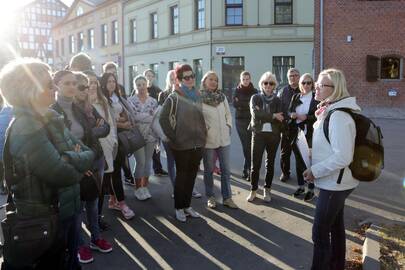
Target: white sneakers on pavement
(252, 196)
(181, 214)
(142, 193)
(266, 195)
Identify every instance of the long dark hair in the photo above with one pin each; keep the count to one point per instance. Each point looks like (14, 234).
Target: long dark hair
(103, 85)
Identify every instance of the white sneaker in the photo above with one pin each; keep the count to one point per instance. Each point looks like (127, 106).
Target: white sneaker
(252, 196)
(266, 195)
(147, 193)
(180, 215)
(196, 194)
(190, 211)
(140, 194)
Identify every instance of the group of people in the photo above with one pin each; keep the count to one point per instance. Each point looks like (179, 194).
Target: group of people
(72, 150)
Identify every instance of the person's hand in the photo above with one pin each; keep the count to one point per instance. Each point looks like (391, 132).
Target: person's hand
(308, 176)
(77, 148)
(127, 125)
(88, 173)
(99, 122)
(302, 117)
(236, 99)
(293, 115)
(279, 116)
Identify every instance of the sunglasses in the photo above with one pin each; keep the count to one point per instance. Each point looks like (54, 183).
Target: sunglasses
(82, 88)
(186, 78)
(306, 83)
(269, 83)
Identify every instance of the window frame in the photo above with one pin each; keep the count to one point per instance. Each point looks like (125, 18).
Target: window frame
(400, 68)
(90, 38)
(80, 42)
(283, 4)
(104, 35)
(197, 12)
(173, 20)
(154, 25)
(132, 31)
(114, 33)
(283, 79)
(233, 6)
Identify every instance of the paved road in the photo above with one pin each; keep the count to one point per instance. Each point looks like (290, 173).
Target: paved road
(259, 235)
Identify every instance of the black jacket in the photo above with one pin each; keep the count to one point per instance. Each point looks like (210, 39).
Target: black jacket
(154, 91)
(308, 123)
(260, 115)
(241, 101)
(285, 96)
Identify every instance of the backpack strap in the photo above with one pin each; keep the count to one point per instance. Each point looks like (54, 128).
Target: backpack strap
(326, 133)
(8, 168)
(173, 110)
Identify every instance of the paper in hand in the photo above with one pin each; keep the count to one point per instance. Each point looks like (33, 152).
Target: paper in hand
(303, 148)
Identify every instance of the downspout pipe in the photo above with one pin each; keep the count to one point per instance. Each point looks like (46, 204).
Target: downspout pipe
(321, 37)
(210, 34)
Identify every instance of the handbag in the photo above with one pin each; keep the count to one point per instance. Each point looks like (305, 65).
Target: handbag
(26, 238)
(131, 140)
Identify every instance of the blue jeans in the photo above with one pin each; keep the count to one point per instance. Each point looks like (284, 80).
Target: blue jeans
(328, 231)
(92, 220)
(170, 163)
(70, 229)
(209, 164)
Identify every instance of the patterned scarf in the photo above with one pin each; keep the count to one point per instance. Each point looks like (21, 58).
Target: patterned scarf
(212, 98)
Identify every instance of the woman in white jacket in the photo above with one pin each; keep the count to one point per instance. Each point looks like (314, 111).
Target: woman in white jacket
(328, 160)
(218, 120)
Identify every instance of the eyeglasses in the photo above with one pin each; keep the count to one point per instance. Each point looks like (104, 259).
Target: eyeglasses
(186, 78)
(321, 85)
(306, 83)
(271, 83)
(82, 88)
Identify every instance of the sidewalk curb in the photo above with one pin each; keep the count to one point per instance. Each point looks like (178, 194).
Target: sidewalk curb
(371, 249)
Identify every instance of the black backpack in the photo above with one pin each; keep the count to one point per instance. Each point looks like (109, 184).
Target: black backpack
(368, 158)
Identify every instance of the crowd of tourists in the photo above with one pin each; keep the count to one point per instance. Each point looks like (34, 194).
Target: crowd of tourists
(66, 147)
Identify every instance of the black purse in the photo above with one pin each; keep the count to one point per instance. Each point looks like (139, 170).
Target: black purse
(26, 238)
(131, 140)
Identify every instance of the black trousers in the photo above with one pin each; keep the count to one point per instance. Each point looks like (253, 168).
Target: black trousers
(114, 179)
(285, 153)
(187, 164)
(263, 141)
(157, 165)
(245, 137)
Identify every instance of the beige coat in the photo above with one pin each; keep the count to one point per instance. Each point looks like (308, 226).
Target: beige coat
(218, 121)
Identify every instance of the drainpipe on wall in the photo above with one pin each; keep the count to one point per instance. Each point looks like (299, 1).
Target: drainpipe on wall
(321, 38)
(122, 43)
(210, 34)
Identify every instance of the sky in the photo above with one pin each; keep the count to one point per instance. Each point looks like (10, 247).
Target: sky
(18, 3)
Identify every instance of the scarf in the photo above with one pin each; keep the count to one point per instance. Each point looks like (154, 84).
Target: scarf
(191, 94)
(212, 98)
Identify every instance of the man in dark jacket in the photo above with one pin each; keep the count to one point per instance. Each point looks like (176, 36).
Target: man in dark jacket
(285, 95)
(154, 91)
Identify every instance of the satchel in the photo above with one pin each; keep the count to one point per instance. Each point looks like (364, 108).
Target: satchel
(27, 239)
(131, 141)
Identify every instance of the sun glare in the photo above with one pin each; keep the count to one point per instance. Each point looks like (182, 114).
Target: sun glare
(8, 18)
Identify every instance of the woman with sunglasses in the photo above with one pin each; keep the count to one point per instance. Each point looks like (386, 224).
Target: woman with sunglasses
(302, 116)
(187, 136)
(123, 116)
(267, 117)
(95, 127)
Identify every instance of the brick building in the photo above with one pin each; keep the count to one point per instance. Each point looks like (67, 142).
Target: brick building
(365, 40)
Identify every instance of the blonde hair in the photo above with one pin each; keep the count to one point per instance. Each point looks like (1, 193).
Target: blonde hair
(338, 80)
(23, 80)
(80, 62)
(80, 76)
(303, 76)
(265, 76)
(168, 80)
(204, 78)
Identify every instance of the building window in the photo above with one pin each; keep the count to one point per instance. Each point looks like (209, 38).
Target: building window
(132, 27)
(198, 70)
(72, 44)
(57, 48)
(155, 68)
(281, 64)
(390, 68)
(79, 11)
(283, 11)
(234, 12)
(133, 72)
(62, 47)
(173, 65)
(104, 35)
(90, 38)
(80, 45)
(174, 19)
(231, 69)
(114, 37)
(154, 25)
(200, 14)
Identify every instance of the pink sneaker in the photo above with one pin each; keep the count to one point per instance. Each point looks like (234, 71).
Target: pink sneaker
(101, 245)
(127, 212)
(85, 255)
